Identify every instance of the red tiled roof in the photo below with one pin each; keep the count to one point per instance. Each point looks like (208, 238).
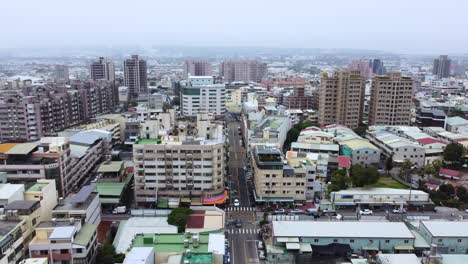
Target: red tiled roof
(196, 219)
(461, 139)
(449, 172)
(344, 162)
(426, 141)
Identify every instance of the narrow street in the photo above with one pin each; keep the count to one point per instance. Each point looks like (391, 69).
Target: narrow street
(242, 239)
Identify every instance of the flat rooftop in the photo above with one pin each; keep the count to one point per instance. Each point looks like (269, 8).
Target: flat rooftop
(379, 191)
(7, 226)
(8, 189)
(447, 228)
(37, 187)
(341, 229)
(69, 205)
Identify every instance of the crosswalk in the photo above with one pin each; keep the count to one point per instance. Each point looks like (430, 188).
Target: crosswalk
(240, 209)
(243, 231)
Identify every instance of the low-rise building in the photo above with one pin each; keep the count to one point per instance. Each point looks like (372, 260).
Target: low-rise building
(65, 241)
(355, 237)
(11, 241)
(10, 192)
(456, 124)
(83, 205)
(430, 118)
(205, 219)
(271, 130)
(449, 237)
(140, 255)
(377, 197)
(275, 179)
(45, 192)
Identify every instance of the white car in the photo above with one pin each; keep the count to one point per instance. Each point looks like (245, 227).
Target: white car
(236, 202)
(366, 212)
(399, 211)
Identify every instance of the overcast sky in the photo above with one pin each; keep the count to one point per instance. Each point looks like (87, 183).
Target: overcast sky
(408, 26)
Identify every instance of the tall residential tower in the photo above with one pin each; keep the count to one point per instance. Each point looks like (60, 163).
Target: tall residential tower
(102, 69)
(391, 100)
(341, 98)
(441, 67)
(135, 77)
(197, 68)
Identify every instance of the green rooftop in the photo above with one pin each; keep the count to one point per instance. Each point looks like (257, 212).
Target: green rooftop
(86, 233)
(171, 243)
(148, 141)
(37, 187)
(110, 188)
(199, 258)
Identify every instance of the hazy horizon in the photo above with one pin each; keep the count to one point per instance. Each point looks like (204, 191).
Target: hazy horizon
(412, 27)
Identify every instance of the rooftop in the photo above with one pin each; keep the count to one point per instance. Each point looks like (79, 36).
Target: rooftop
(85, 234)
(173, 243)
(341, 229)
(379, 191)
(398, 258)
(63, 232)
(69, 205)
(113, 166)
(456, 121)
(447, 228)
(21, 205)
(8, 189)
(7, 226)
(37, 187)
(22, 149)
(138, 255)
(150, 141)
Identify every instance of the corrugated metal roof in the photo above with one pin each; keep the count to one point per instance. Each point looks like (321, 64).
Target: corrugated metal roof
(113, 166)
(22, 149)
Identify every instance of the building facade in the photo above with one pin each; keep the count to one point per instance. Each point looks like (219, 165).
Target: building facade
(202, 95)
(441, 67)
(102, 69)
(391, 100)
(135, 76)
(243, 71)
(341, 99)
(197, 68)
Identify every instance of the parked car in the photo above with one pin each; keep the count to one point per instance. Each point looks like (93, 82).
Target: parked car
(296, 211)
(328, 211)
(261, 255)
(236, 202)
(399, 211)
(366, 212)
(280, 211)
(260, 245)
(312, 211)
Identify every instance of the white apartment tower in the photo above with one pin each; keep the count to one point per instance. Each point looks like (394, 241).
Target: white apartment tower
(202, 95)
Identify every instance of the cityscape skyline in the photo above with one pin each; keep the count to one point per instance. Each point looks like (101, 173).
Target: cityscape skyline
(361, 25)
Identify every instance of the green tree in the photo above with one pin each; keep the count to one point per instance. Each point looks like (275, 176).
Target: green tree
(447, 189)
(361, 176)
(405, 170)
(437, 165)
(294, 133)
(178, 217)
(106, 255)
(457, 112)
(462, 194)
(428, 169)
(339, 181)
(453, 152)
(389, 165)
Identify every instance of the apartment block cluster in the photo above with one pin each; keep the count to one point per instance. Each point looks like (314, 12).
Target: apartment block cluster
(32, 112)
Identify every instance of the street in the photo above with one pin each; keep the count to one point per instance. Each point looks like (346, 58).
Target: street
(242, 239)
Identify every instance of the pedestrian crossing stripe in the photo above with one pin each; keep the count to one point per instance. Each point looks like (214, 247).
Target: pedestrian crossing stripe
(239, 209)
(243, 231)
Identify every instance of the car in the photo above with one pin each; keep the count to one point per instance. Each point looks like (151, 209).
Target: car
(236, 202)
(260, 245)
(296, 211)
(312, 211)
(399, 211)
(280, 211)
(238, 223)
(261, 255)
(328, 211)
(366, 212)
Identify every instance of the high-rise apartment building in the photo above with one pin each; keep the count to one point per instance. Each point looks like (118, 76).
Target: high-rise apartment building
(377, 67)
(45, 110)
(391, 100)
(441, 67)
(135, 77)
(61, 74)
(197, 68)
(341, 98)
(203, 95)
(187, 163)
(102, 69)
(243, 71)
(298, 99)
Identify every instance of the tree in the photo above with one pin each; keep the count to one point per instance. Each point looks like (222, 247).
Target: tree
(428, 169)
(360, 130)
(462, 194)
(339, 181)
(447, 189)
(178, 217)
(437, 165)
(453, 152)
(457, 112)
(106, 255)
(361, 176)
(405, 170)
(294, 133)
(389, 165)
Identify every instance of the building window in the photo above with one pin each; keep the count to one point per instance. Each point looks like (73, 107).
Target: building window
(439, 240)
(387, 241)
(351, 241)
(335, 240)
(459, 240)
(452, 250)
(406, 241)
(316, 240)
(371, 241)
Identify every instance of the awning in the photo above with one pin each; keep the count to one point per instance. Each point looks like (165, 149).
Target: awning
(216, 199)
(305, 247)
(185, 200)
(404, 247)
(109, 200)
(293, 246)
(370, 247)
(287, 239)
(163, 204)
(173, 202)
